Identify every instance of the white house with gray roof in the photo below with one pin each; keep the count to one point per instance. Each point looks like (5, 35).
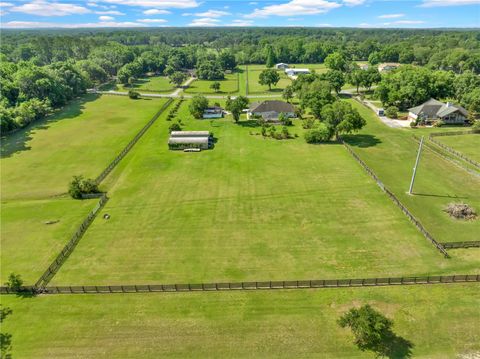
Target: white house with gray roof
(434, 110)
(270, 110)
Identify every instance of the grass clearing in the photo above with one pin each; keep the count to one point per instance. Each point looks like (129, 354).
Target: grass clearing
(469, 145)
(440, 321)
(39, 161)
(250, 209)
(28, 244)
(229, 85)
(149, 84)
(254, 87)
(391, 154)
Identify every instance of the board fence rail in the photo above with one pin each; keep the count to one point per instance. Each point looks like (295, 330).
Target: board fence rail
(252, 285)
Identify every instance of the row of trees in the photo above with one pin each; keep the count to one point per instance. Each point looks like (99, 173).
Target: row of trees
(30, 92)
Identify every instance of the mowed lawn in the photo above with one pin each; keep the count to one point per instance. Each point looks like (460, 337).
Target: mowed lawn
(391, 154)
(250, 209)
(34, 232)
(229, 85)
(437, 321)
(149, 84)
(82, 139)
(468, 145)
(254, 86)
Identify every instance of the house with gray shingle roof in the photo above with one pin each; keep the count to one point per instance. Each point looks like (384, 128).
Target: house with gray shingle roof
(271, 110)
(434, 110)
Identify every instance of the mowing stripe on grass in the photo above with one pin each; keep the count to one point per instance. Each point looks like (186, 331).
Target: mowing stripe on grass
(257, 285)
(394, 198)
(130, 145)
(455, 153)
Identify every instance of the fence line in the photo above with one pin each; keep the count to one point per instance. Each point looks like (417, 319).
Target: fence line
(69, 247)
(258, 285)
(390, 194)
(129, 146)
(456, 153)
(466, 244)
(451, 133)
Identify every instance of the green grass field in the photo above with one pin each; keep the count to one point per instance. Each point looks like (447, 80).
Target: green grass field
(250, 209)
(39, 161)
(439, 321)
(254, 88)
(29, 245)
(149, 84)
(391, 153)
(229, 85)
(468, 145)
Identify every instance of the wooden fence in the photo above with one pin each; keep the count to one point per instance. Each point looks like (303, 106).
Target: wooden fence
(130, 145)
(455, 153)
(467, 244)
(404, 209)
(452, 133)
(70, 246)
(264, 285)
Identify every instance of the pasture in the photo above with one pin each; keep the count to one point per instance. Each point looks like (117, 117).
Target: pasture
(250, 209)
(254, 87)
(433, 321)
(40, 160)
(468, 145)
(149, 84)
(229, 85)
(391, 154)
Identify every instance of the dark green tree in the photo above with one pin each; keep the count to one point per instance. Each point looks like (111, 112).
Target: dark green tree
(341, 117)
(198, 105)
(237, 106)
(268, 78)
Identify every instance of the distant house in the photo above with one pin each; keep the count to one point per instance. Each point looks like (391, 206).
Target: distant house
(270, 110)
(296, 72)
(281, 66)
(213, 112)
(434, 110)
(388, 66)
(181, 140)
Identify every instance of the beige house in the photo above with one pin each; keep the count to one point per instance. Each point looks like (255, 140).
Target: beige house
(434, 110)
(271, 110)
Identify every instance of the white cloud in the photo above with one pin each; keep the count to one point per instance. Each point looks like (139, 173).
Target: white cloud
(391, 16)
(6, 4)
(404, 22)
(92, 4)
(109, 12)
(323, 25)
(158, 4)
(435, 3)
(156, 12)
(106, 18)
(37, 24)
(353, 2)
(253, 3)
(152, 21)
(204, 21)
(45, 8)
(296, 7)
(243, 23)
(212, 13)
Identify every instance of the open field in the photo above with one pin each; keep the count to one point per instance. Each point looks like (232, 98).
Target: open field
(254, 88)
(149, 84)
(29, 244)
(469, 145)
(391, 154)
(229, 85)
(39, 161)
(250, 209)
(439, 321)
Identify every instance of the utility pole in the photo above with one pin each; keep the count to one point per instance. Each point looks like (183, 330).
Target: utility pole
(416, 166)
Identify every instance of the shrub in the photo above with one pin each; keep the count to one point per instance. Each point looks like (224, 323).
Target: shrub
(476, 126)
(14, 282)
(460, 211)
(319, 134)
(285, 119)
(392, 112)
(438, 123)
(413, 124)
(80, 185)
(308, 123)
(133, 94)
(174, 127)
(285, 132)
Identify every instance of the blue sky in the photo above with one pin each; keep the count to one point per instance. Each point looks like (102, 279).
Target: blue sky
(317, 13)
